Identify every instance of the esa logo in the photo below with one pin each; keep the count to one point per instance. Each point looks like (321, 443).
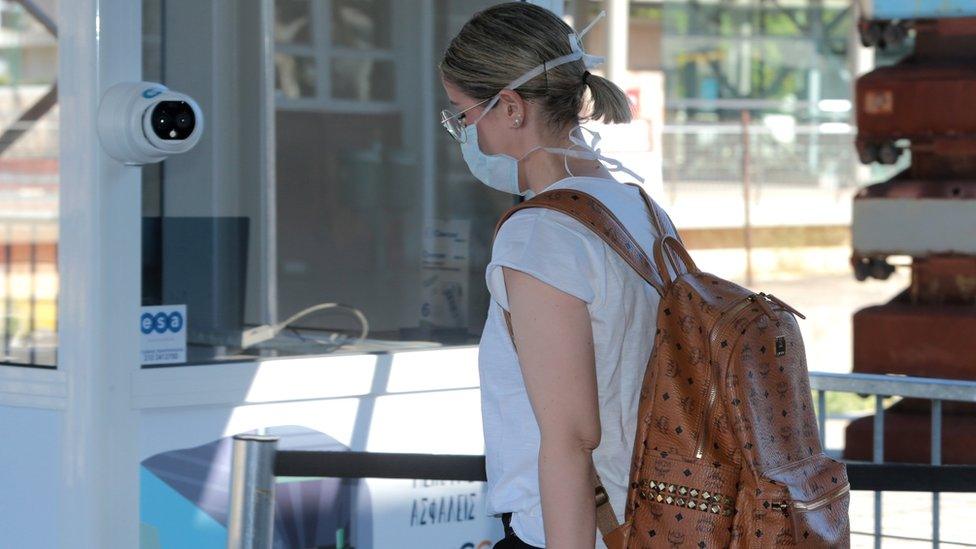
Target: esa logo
(161, 322)
(483, 545)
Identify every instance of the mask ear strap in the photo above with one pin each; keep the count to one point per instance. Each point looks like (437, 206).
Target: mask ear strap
(492, 103)
(576, 44)
(601, 15)
(613, 164)
(589, 61)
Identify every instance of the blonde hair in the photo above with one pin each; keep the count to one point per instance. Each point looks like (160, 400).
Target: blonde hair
(505, 41)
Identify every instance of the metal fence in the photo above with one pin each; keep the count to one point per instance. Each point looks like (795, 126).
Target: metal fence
(703, 155)
(256, 461)
(935, 390)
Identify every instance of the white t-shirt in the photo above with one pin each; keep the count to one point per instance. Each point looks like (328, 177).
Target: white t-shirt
(560, 251)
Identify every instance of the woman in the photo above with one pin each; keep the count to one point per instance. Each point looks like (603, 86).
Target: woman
(583, 320)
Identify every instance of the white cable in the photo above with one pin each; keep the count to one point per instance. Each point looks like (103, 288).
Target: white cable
(263, 333)
(364, 324)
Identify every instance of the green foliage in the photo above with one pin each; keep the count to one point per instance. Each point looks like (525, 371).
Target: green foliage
(646, 13)
(842, 404)
(716, 30)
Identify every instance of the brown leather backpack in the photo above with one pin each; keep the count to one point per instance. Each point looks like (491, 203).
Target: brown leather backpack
(727, 451)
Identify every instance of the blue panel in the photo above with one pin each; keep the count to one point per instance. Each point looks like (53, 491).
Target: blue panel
(173, 521)
(184, 498)
(922, 9)
(30, 469)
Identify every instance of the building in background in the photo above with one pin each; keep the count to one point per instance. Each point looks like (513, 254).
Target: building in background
(29, 186)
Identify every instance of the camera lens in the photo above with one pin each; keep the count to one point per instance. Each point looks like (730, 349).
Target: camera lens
(184, 120)
(173, 120)
(162, 121)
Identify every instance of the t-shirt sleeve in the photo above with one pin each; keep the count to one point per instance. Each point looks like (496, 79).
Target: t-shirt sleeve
(666, 222)
(552, 248)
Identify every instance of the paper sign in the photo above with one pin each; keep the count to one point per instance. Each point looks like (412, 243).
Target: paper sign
(163, 334)
(445, 273)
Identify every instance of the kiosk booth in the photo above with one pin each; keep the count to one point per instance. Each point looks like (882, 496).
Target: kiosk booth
(191, 296)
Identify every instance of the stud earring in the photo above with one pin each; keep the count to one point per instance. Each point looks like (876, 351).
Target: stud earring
(518, 122)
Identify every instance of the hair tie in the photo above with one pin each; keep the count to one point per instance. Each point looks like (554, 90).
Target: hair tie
(586, 75)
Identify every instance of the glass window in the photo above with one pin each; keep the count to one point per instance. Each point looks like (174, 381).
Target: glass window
(29, 184)
(787, 66)
(324, 177)
(361, 24)
(296, 76)
(293, 22)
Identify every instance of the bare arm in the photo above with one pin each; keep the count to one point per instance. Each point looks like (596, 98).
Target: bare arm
(554, 339)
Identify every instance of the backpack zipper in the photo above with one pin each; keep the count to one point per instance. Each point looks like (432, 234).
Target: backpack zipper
(731, 314)
(804, 506)
(783, 304)
(825, 500)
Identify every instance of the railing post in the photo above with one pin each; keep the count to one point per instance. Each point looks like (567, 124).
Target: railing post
(250, 524)
(936, 455)
(879, 411)
(822, 420)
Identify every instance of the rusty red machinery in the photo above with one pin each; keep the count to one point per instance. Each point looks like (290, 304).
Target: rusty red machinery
(925, 104)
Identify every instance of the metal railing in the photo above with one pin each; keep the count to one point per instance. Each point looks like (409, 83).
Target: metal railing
(880, 387)
(256, 460)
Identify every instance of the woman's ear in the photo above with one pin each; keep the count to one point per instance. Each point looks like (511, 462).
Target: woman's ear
(512, 107)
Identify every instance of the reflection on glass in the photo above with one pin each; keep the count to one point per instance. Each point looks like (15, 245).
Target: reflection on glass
(293, 22)
(295, 75)
(361, 24)
(357, 198)
(29, 185)
(362, 79)
(779, 66)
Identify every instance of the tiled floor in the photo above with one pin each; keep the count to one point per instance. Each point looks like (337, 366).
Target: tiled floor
(907, 520)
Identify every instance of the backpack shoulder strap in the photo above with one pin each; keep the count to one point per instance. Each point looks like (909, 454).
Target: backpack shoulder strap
(662, 231)
(593, 214)
(652, 211)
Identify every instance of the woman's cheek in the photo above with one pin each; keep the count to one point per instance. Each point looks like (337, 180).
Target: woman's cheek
(488, 140)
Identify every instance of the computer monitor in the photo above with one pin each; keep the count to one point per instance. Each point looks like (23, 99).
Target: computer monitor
(200, 262)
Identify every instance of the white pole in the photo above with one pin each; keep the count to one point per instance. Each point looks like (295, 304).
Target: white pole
(618, 21)
(100, 44)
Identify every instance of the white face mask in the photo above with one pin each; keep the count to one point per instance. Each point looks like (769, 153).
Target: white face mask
(500, 171)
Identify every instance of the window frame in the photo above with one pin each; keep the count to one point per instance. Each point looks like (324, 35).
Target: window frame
(322, 52)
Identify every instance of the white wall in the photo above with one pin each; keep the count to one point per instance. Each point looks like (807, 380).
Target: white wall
(30, 461)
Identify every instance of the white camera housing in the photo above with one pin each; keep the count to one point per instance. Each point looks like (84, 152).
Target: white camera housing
(144, 122)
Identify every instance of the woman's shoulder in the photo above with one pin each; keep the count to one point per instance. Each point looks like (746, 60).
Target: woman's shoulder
(622, 199)
(553, 248)
(545, 226)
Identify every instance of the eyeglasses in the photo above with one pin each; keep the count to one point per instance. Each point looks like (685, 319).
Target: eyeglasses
(454, 122)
